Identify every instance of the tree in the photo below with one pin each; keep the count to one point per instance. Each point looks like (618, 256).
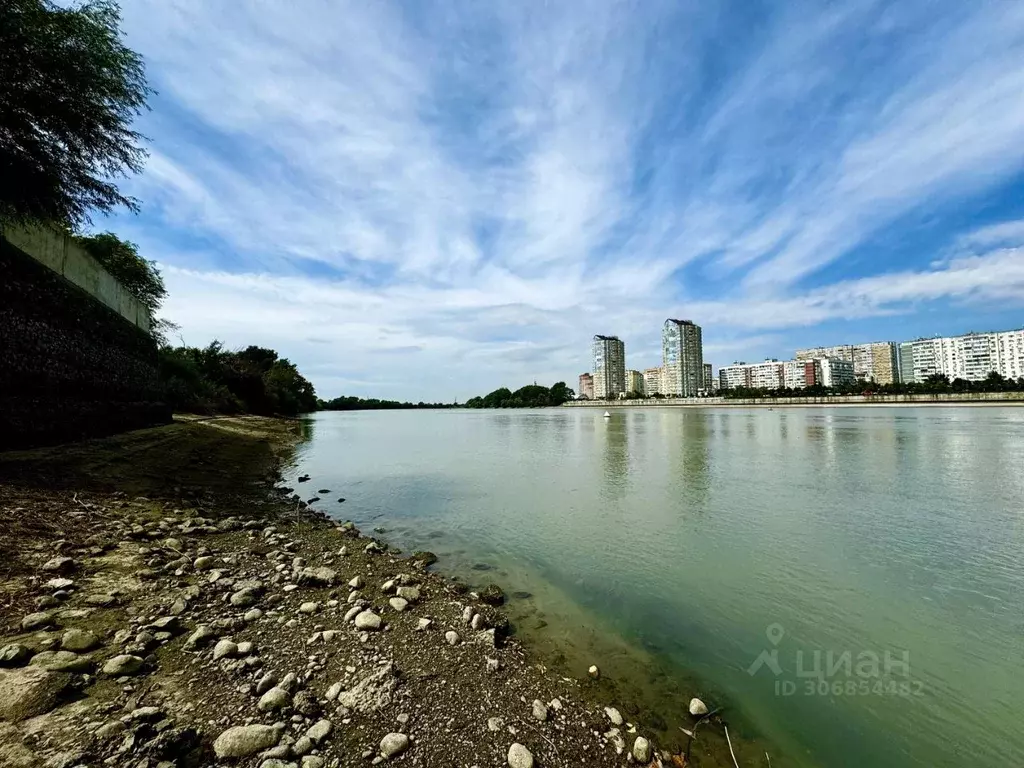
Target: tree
(122, 260)
(69, 91)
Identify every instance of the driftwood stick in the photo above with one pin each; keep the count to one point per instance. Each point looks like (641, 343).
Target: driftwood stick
(730, 746)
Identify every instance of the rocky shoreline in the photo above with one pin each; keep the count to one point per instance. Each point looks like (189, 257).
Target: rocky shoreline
(152, 633)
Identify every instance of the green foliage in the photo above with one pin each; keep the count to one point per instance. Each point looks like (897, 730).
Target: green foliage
(935, 384)
(530, 396)
(373, 404)
(69, 91)
(253, 380)
(122, 260)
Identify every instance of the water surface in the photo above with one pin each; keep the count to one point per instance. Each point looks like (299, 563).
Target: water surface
(698, 541)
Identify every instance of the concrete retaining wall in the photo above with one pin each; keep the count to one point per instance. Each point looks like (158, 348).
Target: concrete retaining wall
(75, 357)
(60, 253)
(967, 398)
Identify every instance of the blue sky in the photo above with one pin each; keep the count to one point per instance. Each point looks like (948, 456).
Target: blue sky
(428, 200)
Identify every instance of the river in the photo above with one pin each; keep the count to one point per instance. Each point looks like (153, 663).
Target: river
(848, 581)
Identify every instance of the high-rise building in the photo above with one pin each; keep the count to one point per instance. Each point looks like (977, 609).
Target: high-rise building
(884, 368)
(609, 367)
(586, 389)
(652, 381)
(833, 372)
(708, 377)
(682, 356)
(905, 361)
(635, 382)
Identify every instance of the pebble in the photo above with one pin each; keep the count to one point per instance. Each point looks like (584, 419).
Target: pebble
(540, 711)
(37, 621)
(357, 583)
(203, 635)
(59, 565)
(698, 707)
(594, 672)
(368, 620)
(398, 603)
(519, 757)
(642, 750)
(412, 594)
(423, 624)
(352, 612)
(394, 744)
(203, 563)
(320, 731)
(310, 607)
(274, 699)
(613, 715)
(452, 637)
(252, 615)
(125, 664)
(266, 682)
(495, 724)
(224, 648)
(59, 584)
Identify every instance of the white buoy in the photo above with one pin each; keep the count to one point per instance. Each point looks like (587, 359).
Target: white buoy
(607, 415)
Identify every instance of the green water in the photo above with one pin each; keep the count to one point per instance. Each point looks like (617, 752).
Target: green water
(697, 540)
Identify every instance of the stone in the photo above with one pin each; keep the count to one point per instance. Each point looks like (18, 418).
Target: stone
(37, 621)
(357, 583)
(246, 740)
(468, 613)
(594, 672)
(423, 624)
(274, 699)
(254, 614)
(60, 584)
(245, 597)
(306, 704)
(224, 648)
(78, 640)
(111, 729)
(275, 762)
(495, 724)
(100, 600)
(203, 563)
(13, 752)
(174, 544)
(493, 665)
(425, 558)
(266, 682)
(318, 577)
(394, 744)
(492, 595)
(30, 691)
(313, 761)
(398, 603)
(62, 661)
(452, 637)
(478, 622)
(642, 750)
(14, 655)
(368, 620)
(333, 691)
(519, 756)
(698, 707)
(203, 635)
(352, 612)
(310, 607)
(412, 594)
(60, 565)
(540, 710)
(613, 715)
(122, 665)
(245, 648)
(372, 693)
(320, 731)
(303, 745)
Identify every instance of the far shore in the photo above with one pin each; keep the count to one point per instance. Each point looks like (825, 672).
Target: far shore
(847, 401)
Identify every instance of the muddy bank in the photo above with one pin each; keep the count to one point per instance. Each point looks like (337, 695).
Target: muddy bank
(163, 605)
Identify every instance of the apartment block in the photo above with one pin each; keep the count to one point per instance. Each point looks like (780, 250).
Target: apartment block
(586, 388)
(796, 374)
(652, 381)
(708, 378)
(874, 361)
(972, 356)
(682, 356)
(609, 367)
(635, 382)
(833, 372)
(905, 361)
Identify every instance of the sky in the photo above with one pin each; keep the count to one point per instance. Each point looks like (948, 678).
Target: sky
(429, 200)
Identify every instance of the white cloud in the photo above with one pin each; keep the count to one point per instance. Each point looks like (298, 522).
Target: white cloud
(473, 191)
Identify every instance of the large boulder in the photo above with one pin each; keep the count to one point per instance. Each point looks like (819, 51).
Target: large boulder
(30, 691)
(62, 661)
(492, 595)
(14, 655)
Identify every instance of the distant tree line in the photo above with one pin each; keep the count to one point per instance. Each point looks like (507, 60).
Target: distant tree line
(935, 384)
(374, 404)
(530, 396)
